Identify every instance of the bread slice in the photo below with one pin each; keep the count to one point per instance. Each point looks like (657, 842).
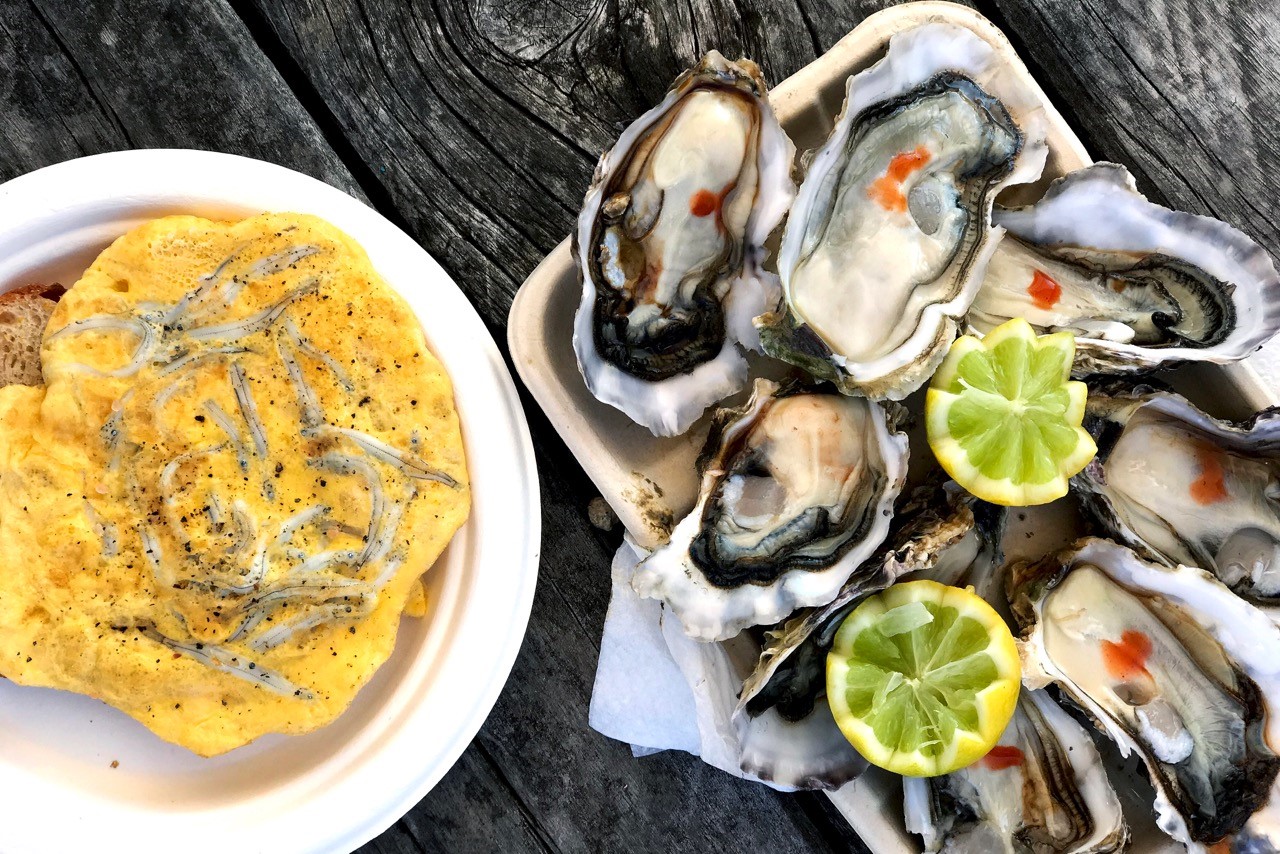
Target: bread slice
(23, 315)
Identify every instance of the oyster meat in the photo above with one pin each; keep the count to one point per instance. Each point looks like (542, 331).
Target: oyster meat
(1041, 788)
(890, 232)
(670, 242)
(797, 490)
(1185, 488)
(1141, 286)
(1172, 666)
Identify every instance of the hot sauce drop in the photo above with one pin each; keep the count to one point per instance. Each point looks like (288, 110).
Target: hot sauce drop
(886, 190)
(1211, 486)
(1127, 659)
(1002, 757)
(1044, 291)
(703, 203)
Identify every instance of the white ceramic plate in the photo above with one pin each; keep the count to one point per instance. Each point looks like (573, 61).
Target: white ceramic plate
(647, 479)
(334, 789)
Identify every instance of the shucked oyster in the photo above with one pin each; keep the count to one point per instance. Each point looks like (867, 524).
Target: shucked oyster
(889, 235)
(938, 530)
(1140, 285)
(1041, 788)
(1185, 488)
(670, 242)
(1171, 665)
(797, 490)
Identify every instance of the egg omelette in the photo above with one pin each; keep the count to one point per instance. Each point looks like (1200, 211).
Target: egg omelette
(216, 509)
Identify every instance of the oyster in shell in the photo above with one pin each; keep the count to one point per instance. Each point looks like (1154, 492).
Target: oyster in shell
(938, 530)
(1185, 488)
(1173, 666)
(807, 753)
(670, 242)
(797, 490)
(1042, 788)
(886, 243)
(1141, 286)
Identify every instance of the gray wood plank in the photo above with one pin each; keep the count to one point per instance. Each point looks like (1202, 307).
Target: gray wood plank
(82, 78)
(1182, 92)
(477, 813)
(483, 122)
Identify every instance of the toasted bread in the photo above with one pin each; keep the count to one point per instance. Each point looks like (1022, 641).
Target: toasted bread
(23, 315)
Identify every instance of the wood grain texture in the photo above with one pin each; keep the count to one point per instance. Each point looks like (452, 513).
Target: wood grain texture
(475, 124)
(1181, 92)
(83, 78)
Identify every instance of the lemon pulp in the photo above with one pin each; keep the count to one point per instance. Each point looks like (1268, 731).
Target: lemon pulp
(1004, 418)
(923, 678)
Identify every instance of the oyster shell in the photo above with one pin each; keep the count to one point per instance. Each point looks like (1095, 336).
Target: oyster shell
(1173, 666)
(1141, 286)
(809, 753)
(1042, 788)
(890, 232)
(938, 530)
(1185, 488)
(670, 242)
(798, 488)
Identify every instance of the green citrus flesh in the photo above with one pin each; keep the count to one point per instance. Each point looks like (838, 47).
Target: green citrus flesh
(1004, 418)
(923, 678)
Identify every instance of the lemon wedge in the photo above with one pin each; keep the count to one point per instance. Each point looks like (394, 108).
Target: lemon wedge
(1003, 415)
(923, 678)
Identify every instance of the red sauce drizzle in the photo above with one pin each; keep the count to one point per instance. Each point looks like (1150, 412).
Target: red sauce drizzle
(1002, 757)
(1044, 291)
(886, 191)
(704, 203)
(1127, 659)
(1211, 486)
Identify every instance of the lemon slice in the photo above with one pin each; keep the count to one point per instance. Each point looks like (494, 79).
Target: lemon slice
(1003, 416)
(923, 678)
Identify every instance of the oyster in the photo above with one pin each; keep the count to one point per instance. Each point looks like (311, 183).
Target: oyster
(1170, 665)
(890, 232)
(670, 242)
(1185, 488)
(1042, 788)
(797, 490)
(1141, 286)
(808, 753)
(938, 530)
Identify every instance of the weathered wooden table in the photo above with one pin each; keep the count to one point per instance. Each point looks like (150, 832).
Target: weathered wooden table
(474, 125)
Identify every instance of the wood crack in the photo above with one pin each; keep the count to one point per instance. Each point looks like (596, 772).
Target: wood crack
(818, 48)
(544, 840)
(269, 42)
(92, 91)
